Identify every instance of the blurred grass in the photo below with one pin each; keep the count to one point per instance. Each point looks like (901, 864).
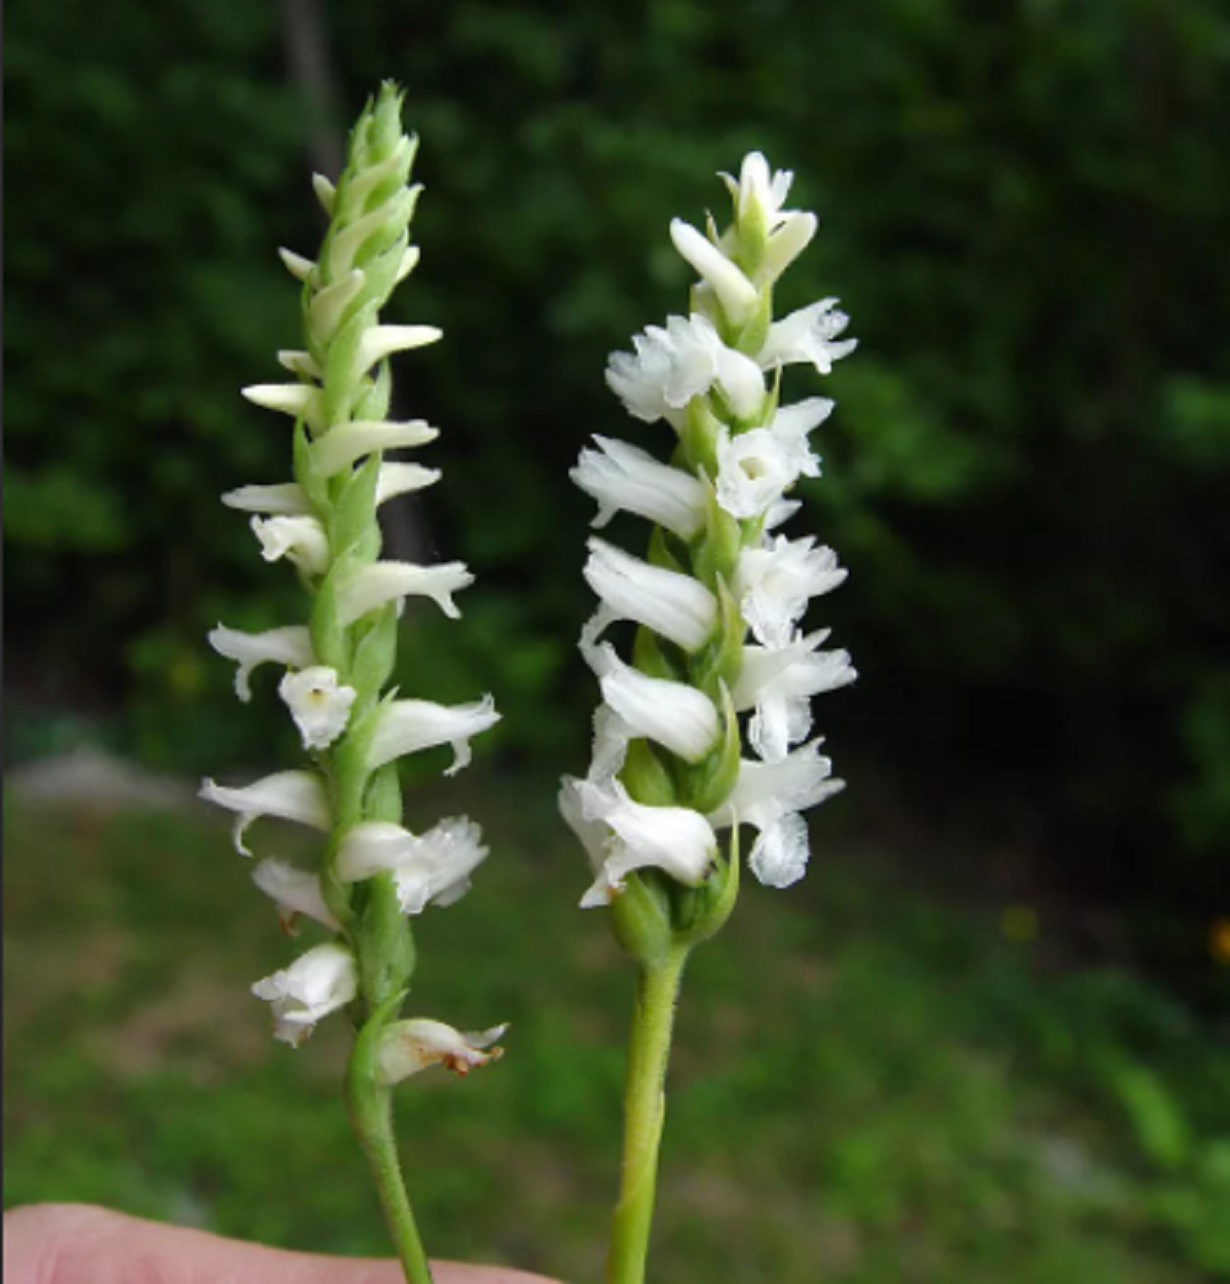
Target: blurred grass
(868, 1086)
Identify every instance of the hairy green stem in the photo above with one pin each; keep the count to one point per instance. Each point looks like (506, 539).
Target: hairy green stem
(657, 990)
(371, 1115)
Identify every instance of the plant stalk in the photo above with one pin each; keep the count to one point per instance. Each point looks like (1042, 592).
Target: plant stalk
(657, 990)
(371, 1115)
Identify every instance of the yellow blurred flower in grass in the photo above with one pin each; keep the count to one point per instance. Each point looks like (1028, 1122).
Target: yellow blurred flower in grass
(1019, 923)
(1219, 941)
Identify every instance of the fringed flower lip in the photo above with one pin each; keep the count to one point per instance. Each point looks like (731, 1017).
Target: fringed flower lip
(315, 984)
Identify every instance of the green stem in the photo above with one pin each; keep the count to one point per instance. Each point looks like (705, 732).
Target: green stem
(371, 1115)
(657, 990)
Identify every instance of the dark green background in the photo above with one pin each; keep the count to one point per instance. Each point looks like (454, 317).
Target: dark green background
(1025, 208)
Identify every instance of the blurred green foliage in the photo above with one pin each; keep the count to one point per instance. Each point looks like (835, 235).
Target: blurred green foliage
(1025, 209)
(868, 1086)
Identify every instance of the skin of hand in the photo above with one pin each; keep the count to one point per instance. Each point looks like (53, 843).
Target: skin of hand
(81, 1244)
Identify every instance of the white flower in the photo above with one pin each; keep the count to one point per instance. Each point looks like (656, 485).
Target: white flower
(669, 603)
(295, 891)
(345, 443)
(672, 366)
(758, 198)
(621, 835)
(290, 795)
(319, 706)
(671, 713)
(791, 426)
(611, 738)
(299, 400)
(773, 584)
(398, 479)
(808, 335)
(406, 1047)
(316, 983)
(300, 539)
(288, 498)
(779, 681)
(383, 582)
(754, 468)
(734, 291)
(431, 868)
(291, 646)
(769, 796)
(406, 726)
(622, 476)
(380, 341)
(757, 193)
(285, 498)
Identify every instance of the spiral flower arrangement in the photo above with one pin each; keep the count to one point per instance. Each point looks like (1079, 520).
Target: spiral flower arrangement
(704, 726)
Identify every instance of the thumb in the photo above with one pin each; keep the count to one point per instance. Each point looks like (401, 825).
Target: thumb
(72, 1243)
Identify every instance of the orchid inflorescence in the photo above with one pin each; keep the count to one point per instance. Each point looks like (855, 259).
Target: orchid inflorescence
(668, 768)
(670, 765)
(374, 871)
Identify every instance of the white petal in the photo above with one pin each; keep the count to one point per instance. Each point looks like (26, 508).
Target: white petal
(299, 400)
(317, 983)
(791, 426)
(319, 705)
(669, 603)
(406, 726)
(284, 498)
(302, 540)
(383, 340)
(620, 476)
(296, 891)
(785, 245)
(754, 468)
(406, 1047)
(432, 868)
(291, 646)
(591, 833)
(291, 795)
(765, 791)
(325, 191)
(674, 839)
(299, 267)
(398, 479)
(409, 261)
(300, 363)
(773, 585)
(808, 335)
(345, 443)
(669, 713)
(383, 582)
(779, 856)
(735, 292)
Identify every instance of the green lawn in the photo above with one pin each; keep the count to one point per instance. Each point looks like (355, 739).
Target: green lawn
(868, 1087)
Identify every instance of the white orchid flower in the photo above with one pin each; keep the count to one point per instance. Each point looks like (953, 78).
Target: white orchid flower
(289, 795)
(774, 583)
(622, 476)
(674, 605)
(428, 869)
(319, 704)
(317, 983)
(406, 1047)
(291, 646)
(406, 726)
(295, 892)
